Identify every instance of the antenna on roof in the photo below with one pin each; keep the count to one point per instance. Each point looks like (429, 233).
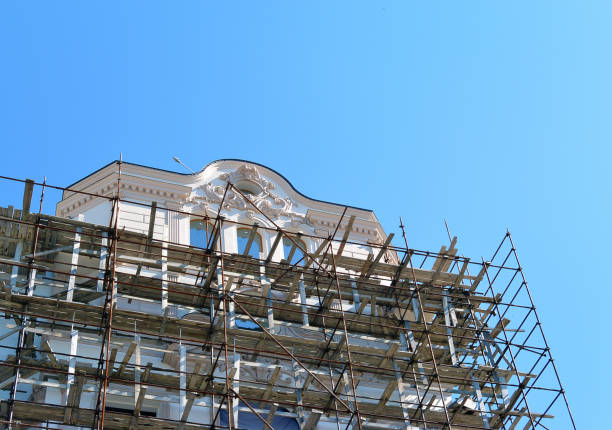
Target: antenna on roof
(182, 164)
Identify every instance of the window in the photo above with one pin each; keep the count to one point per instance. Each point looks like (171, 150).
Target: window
(248, 420)
(294, 253)
(199, 233)
(243, 240)
(247, 325)
(248, 188)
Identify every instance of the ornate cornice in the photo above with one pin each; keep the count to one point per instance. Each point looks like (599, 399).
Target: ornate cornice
(259, 191)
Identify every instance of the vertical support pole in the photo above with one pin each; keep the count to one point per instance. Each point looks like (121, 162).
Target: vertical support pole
(164, 271)
(137, 369)
(74, 340)
(409, 343)
(212, 300)
(401, 391)
(415, 309)
(552, 362)
(356, 299)
(15, 268)
(223, 298)
(30, 289)
(449, 324)
(114, 291)
(346, 341)
(183, 378)
(109, 304)
(266, 287)
(74, 261)
(102, 265)
(212, 394)
(299, 384)
(31, 282)
(418, 305)
(220, 287)
(303, 303)
(486, 352)
(347, 387)
(488, 356)
(480, 401)
(231, 308)
(236, 388)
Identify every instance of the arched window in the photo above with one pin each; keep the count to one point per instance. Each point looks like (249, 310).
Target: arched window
(293, 250)
(199, 233)
(243, 240)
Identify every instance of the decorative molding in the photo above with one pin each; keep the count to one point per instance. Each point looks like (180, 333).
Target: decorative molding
(260, 193)
(108, 189)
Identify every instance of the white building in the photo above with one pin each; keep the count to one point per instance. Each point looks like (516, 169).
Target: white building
(200, 194)
(153, 294)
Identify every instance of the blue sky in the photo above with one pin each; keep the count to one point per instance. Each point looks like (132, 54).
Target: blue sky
(492, 115)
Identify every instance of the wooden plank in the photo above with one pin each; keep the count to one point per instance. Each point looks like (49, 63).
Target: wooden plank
(270, 386)
(141, 396)
(501, 325)
(252, 235)
(507, 410)
(211, 272)
(294, 246)
(313, 420)
(479, 277)
(517, 419)
(111, 361)
(203, 386)
(143, 390)
(277, 240)
(391, 386)
(195, 375)
(27, 196)
(47, 348)
(401, 267)
(126, 358)
(438, 261)
(310, 259)
(365, 269)
(152, 216)
(381, 252)
(74, 399)
(291, 293)
(347, 232)
(270, 416)
(461, 273)
(389, 355)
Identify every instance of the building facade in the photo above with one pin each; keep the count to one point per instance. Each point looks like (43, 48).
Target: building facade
(228, 299)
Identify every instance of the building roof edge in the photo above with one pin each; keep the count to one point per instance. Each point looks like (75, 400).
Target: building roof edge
(219, 161)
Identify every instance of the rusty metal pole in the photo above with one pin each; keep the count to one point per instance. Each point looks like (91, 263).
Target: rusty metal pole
(111, 287)
(426, 330)
(346, 339)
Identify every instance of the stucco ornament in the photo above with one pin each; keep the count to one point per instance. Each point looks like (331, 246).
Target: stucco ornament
(256, 188)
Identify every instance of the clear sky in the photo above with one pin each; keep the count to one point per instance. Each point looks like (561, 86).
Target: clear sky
(490, 114)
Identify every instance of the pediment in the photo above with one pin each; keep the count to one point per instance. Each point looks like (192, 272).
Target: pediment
(255, 193)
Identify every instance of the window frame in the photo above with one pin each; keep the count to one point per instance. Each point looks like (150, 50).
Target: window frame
(257, 238)
(288, 245)
(207, 231)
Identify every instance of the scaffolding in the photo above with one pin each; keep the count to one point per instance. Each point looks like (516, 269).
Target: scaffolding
(404, 339)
